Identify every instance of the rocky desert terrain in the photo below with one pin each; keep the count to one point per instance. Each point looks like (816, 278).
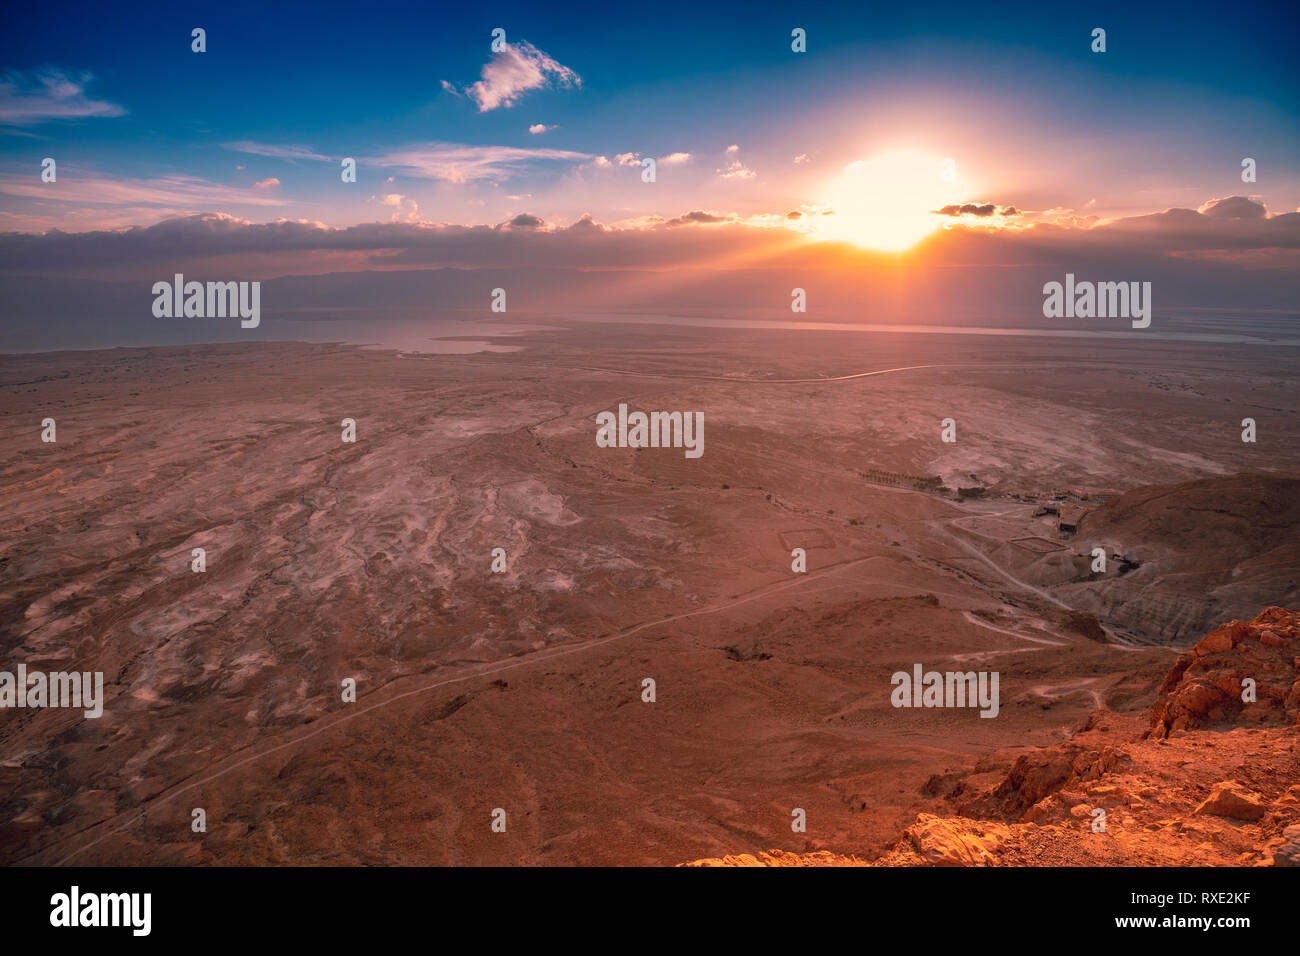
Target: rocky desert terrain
(1205, 780)
(523, 689)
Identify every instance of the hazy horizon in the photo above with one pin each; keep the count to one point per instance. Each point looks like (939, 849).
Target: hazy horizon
(875, 162)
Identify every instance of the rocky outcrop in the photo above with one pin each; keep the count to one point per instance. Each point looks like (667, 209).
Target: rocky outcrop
(1208, 779)
(939, 841)
(1239, 673)
(1036, 775)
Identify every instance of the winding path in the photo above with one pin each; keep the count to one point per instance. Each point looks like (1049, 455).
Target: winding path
(234, 762)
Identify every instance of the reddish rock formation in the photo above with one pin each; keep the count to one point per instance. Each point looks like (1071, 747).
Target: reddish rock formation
(1207, 685)
(950, 842)
(1207, 780)
(783, 858)
(1229, 799)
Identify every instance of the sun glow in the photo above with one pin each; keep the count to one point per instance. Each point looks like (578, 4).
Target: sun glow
(886, 202)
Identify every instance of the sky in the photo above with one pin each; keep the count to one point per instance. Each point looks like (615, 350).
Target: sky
(901, 128)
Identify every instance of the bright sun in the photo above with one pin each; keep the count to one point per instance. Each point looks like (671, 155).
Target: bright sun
(886, 202)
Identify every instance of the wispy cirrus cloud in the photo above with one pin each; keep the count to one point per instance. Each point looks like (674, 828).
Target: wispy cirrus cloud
(276, 152)
(454, 162)
(27, 99)
(513, 71)
(451, 162)
(167, 191)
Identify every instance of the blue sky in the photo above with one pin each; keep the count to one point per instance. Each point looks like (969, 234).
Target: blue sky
(1035, 119)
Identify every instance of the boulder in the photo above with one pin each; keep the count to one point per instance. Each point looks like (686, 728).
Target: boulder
(1230, 799)
(954, 841)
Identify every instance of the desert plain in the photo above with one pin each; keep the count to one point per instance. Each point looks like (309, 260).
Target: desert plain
(523, 690)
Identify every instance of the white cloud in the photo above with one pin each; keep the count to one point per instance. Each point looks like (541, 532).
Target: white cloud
(50, 95)
(267, 183)
(736, 170)
(538, 128)
(801, 159)
(733, 148)
(513, 71)
(672, 158)
(405, 209)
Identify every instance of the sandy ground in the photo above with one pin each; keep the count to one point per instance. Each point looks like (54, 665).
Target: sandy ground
(522, 690)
